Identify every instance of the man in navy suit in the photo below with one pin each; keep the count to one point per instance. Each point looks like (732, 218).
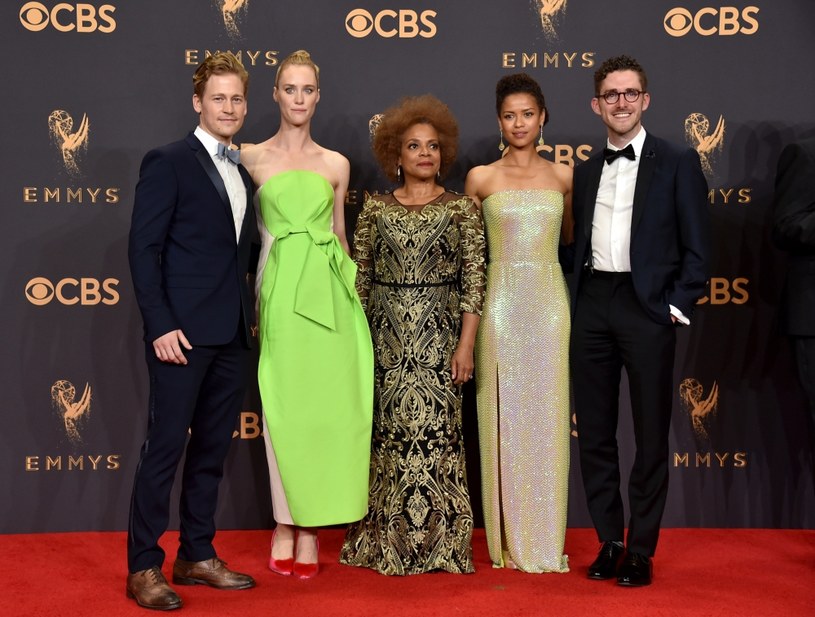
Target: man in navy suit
(189, 250)
(794, 232)
(641, 259)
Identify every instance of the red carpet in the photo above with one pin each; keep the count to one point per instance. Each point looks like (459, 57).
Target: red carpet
(699, 572)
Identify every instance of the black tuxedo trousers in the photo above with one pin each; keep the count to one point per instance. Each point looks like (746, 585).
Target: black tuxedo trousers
(612, 331)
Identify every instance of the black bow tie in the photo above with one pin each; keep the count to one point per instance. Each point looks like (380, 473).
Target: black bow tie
(612, 155)
(229, 153)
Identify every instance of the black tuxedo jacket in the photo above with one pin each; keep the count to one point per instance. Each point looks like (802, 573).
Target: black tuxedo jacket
(188, 269)
(670, 227)
(794, 231)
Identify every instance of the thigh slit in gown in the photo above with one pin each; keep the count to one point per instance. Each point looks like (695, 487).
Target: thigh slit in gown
(522, 382)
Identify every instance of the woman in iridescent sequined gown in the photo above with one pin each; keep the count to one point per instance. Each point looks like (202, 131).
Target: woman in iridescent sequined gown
(522, 361)
(420, 253)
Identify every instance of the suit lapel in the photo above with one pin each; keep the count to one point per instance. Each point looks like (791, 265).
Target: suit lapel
(247, 215)
(205, 160)
(595, 169)
(648, 163)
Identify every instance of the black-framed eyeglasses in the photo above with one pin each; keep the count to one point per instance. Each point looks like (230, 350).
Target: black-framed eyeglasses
(612, 96)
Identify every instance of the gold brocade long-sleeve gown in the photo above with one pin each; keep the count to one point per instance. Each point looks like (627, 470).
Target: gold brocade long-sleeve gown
(419, 269)
(522, 382)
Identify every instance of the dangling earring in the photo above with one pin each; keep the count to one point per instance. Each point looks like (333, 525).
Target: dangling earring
(540, 140)
(399, 173)
(501, 145)
(438, 176)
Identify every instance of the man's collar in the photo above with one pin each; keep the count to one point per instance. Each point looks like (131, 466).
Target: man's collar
(210, 143)
(636, 143)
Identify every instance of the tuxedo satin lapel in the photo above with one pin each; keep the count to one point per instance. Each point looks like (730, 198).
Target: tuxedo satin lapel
(648, 163)
(206, 162)
(247, 215)
(595, 170)
(247, 179)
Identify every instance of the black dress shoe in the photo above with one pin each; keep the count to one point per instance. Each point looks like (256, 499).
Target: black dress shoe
(635, 571)
(607, 562)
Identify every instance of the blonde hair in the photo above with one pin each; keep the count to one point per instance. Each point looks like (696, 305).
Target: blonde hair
(298, 58)
(220, 63)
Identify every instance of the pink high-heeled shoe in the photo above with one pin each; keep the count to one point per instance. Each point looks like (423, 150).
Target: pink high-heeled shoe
(280, 566)
(307, 570)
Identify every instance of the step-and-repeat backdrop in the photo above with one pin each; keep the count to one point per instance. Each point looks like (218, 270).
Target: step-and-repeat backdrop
(91, 86)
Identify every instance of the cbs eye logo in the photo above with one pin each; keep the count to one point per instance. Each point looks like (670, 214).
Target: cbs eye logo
(66, 17)
(707, 21)
(388, 23)
(68, 291)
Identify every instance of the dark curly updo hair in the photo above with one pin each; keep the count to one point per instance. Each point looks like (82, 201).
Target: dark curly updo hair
(519, 83)
(425, 109)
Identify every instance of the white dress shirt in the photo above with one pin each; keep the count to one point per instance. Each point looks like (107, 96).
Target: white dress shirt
(233, 182)
(611, 226)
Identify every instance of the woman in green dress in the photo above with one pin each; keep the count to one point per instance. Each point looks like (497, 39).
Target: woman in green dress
(420, 252)
(316, 360)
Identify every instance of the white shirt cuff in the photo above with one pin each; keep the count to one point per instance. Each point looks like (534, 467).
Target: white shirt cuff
(680, 317)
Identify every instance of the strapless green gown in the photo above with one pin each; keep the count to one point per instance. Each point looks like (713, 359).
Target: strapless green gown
(316, 359)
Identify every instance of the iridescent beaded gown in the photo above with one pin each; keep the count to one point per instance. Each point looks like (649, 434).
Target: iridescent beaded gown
(419, 269)
(522, 382)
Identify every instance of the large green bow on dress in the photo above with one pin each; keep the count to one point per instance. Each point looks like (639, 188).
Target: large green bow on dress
(313, 297)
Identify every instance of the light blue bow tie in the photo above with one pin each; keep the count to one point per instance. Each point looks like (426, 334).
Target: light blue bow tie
(232, 155)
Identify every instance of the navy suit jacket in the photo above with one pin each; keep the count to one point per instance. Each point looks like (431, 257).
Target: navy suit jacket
(189, 271)
(794, 232)
(670, 227)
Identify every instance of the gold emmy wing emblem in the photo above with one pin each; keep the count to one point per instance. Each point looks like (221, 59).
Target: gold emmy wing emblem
(230, 10)
(72, 412)
(548, 11)
(70, 142)
(701, 410)
(373, 124)
(698, 135)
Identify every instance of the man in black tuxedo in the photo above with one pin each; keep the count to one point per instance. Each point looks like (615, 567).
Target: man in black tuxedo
(641, 251)
(189, 250)
(794, 232)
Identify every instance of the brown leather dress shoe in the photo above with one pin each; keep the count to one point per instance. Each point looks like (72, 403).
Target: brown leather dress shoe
(149, 589)
(212, 572)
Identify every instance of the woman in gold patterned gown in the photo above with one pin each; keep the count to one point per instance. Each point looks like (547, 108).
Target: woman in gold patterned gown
(420, 254)
(522, 352)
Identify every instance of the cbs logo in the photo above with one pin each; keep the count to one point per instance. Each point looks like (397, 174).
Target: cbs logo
(723, 291)
(724, 21)
(65, 17)
(250, 426)
(564, 153)
(69, 291)
(404, 23)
